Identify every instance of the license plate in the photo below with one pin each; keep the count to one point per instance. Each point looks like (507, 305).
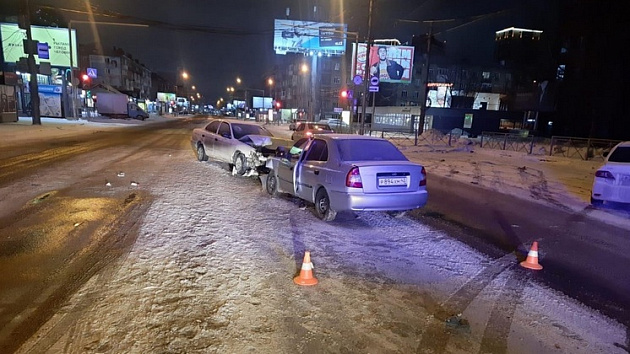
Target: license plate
(392, 181)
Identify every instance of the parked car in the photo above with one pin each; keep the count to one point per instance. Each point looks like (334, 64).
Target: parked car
(338, 125)
(342, 172)
(612, 180)
(243, 145)
(306, 129)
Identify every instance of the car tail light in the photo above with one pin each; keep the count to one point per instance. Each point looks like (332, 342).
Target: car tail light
(309, 134)
(423, 181)
(604, 174)
(353, 179)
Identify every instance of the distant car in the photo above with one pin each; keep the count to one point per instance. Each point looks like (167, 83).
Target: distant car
(341, 172)
(306, 129)
(241, 144)
(612, 180)
(338, 125)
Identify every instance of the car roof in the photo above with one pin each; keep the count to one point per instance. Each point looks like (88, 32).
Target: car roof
(346, 137)
(624, 143)
(234, 120)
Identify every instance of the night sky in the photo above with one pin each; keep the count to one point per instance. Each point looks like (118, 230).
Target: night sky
(236, 36)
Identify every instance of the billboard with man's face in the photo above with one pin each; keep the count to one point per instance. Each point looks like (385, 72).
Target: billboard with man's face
(58, 41)
(389, 62)
(306, 36)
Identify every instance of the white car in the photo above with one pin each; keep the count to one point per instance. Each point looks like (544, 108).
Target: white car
(612, 180)
(243, 145)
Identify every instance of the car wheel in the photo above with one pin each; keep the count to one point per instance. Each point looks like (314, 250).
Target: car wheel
(322, 206)
(240, 164)
(596, 202)
(272, 185)
(201, 153)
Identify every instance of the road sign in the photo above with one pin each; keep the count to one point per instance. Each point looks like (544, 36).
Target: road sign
(42, 51)
(374, 81)
(91, 72)
(358, 80)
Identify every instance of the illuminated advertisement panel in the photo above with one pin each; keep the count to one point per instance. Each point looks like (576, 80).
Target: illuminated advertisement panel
(165, 96)
(306, 36)
(439, 95)
(389, 62)
(56, 38)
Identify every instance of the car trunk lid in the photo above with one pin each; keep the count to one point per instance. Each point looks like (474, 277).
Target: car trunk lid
(389, 176)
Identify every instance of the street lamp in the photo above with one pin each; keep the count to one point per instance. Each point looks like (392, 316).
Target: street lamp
(194, 87)
(238, 80)
(184, 75)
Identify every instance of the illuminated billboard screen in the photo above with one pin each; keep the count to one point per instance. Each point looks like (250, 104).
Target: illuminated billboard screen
(261, 102)
(306, 36)
(165, 97)
(439, 95)
(389, 62)
(57, 39)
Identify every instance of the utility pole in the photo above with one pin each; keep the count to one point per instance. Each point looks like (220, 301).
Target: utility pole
(366, 80)
(32, 67)
(425, 88)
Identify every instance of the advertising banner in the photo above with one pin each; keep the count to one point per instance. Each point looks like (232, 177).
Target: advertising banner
(305, 36)
(261, 102)
(390, 63)
(165, 96)
(57, 39)
(439, 95)
(50, 100)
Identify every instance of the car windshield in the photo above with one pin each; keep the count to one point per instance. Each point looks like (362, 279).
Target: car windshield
(368, 150)
(240, 130)
(621, 154)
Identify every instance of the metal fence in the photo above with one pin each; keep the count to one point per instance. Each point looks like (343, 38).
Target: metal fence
(570, 147)
(507, 141)
(582, 148)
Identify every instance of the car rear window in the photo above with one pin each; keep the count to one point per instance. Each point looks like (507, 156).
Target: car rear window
(240, 130)
(319, 127)
(621, 154)
(368, 150)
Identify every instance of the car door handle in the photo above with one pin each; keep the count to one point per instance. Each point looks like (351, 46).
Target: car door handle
(203, 136)
(216, 139)
(316, 172)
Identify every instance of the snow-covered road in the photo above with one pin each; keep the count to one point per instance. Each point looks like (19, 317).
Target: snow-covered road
(212, 270)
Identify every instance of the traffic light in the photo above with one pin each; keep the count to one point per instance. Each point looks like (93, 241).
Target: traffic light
(278, 105)
(85, 81)
(344, 94)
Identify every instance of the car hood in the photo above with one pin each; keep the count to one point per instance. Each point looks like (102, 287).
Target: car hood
(256, 140)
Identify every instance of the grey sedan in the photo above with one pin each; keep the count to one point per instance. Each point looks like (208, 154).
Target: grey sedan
(340, 172)
(243, 145)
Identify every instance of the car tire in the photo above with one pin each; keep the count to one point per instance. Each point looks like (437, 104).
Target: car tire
(272, 185)
(596, 202)
(240, 164)
(322, 206)
(201, 153)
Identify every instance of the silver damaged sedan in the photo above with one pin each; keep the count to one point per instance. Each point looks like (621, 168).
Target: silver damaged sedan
(341, 172)
(245, 146)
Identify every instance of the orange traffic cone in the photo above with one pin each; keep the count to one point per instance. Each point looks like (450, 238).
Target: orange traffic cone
(306, 274)
(532, 258)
